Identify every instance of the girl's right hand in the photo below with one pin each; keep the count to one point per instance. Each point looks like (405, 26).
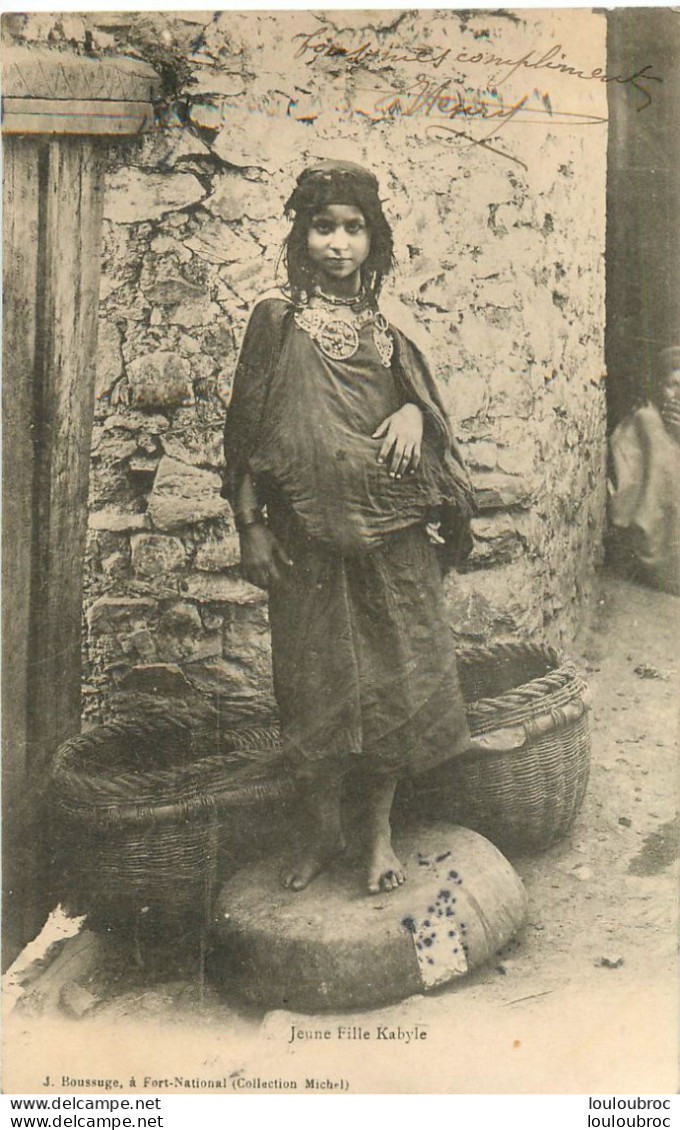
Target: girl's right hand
(264, 562)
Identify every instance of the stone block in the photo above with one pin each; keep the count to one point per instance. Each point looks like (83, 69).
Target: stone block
(482, 456)
(165, 148)
(115, 521)
(222, 588)
(210, 80)
(184, 495)
(306, 108)
(109, 358)
(116, 566)
(490, 604)
(222, 677)
(190, 314)
(160, 380)
(216, 242)
(166, 647)
(143, 464)
(206, 116)
(129, 421)
(220, 550)
(155, 555)
(114, 448)
(512, 395)
(155, 678)
(143, 645)
(189, 344)
(134, 195)
(497, 491)
(260, 140)
(465, 395)
(170, 245)
(181, 619)
(519, 460)
(120, 613)
(173, 290)
(497, 539)
(198, 446)
(235, 197)
(208, 647)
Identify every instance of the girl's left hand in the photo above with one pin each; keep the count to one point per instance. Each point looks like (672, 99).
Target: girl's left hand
(402, 435)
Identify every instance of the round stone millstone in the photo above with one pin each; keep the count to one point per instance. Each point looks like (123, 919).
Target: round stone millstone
(334, 947)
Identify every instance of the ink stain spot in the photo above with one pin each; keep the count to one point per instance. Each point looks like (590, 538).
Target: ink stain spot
(452, 875)
(445, 895)
(409, 924)
(444, 855)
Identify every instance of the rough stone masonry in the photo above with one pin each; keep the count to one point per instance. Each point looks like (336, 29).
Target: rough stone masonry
(487, 131)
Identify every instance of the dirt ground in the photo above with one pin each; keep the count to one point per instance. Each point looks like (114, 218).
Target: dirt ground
(583, 1000)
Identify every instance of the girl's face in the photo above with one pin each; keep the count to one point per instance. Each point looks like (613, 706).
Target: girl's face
(338, 244)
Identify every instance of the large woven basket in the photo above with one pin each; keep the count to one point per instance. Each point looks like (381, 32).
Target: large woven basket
(143, 808)
(523, 781)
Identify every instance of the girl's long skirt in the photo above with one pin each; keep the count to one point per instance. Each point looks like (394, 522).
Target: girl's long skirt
(364, 664)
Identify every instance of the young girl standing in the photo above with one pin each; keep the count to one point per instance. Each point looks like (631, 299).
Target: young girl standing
(342, 471)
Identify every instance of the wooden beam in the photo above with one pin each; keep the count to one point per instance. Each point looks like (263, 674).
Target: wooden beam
(21, 201)
(65, 405)
(93, 118)
(58, 110)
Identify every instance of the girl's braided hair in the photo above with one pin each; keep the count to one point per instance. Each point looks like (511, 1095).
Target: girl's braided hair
(335, 182)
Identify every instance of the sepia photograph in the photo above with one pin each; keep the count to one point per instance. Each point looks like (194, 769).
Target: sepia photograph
(341, 552)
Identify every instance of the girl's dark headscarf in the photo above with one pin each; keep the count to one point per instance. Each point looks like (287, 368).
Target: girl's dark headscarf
(336, 182)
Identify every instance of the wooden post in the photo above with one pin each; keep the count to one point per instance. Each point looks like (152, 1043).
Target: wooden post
(643, 202)
(59, 114)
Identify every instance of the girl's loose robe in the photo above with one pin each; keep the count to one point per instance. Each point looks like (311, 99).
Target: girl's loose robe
(363, 659)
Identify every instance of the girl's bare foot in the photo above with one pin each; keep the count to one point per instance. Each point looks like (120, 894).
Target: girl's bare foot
(310, 862)
(322, 832)
(385, 872)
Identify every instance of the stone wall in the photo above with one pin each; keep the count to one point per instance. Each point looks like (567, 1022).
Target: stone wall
(483, 129)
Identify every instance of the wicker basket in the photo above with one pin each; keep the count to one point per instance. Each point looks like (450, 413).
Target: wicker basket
(523, 781)
(143, 808)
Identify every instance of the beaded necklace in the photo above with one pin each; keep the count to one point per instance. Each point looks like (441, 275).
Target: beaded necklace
(334, 324)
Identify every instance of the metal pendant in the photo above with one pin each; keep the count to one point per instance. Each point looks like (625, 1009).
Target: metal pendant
(383, 340)
(336, 338)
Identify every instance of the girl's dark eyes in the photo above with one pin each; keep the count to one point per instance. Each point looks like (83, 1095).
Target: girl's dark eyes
(325, 228)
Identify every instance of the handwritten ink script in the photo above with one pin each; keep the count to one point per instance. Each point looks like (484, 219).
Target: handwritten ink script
(431, 99)
(321, 44)
(443, 102)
